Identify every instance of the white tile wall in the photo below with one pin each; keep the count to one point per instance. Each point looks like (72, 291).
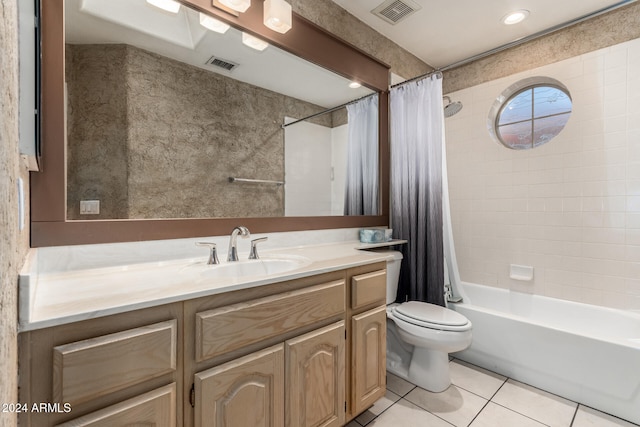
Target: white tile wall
(309, 160)
(570, 208)
(339, 150)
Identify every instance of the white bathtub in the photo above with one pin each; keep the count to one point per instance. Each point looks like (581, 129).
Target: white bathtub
(585, 353)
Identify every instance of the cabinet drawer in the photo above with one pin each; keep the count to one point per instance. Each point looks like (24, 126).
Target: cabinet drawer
(229, 328)
(156, 408)
(368, 288)
(91, 368)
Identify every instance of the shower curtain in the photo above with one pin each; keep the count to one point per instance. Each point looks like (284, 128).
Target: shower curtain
(417, 140)
(361, 191)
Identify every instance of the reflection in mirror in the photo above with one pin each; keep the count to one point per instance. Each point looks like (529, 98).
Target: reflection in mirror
(162, 111)
(333, 170)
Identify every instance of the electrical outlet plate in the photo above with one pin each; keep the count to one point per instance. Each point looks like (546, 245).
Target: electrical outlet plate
(89, 207)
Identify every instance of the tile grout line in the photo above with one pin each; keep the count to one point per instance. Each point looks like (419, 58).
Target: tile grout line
(506, 380)
(529, 385)
(426, 410)
(606, 413)
(476, 394)
(479, 412)
(390, 406)
(521, 414)
(513, 410)
(487, 400)
(505, 407)
(499, 388)
(575, 413)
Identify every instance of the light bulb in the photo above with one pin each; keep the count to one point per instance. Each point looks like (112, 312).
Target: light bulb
(277, 15)
(213, 24)
(168, 5)
(254, 42)
(237, 5)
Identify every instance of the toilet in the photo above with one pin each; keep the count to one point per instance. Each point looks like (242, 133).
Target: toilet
(420, 336)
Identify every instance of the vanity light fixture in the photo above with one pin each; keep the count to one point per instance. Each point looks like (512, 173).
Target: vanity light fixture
(354, 85)
(213, 24)
(515, 17)
(237, 5)
(168, 5)
(277, 15)
(254, 42)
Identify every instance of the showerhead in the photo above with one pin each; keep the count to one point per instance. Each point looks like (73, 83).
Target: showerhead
(452, 108)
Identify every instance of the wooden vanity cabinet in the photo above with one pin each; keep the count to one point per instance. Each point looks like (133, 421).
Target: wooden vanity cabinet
(367, 329)
(278, 350)
(123, 369)
(248, 391)
(315, 378)
(302, 353)
(297, 383)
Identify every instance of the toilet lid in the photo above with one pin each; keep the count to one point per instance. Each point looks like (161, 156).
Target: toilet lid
(425, 314)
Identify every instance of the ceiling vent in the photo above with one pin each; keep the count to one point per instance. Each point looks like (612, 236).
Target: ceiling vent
(222, 63)
(394, 11)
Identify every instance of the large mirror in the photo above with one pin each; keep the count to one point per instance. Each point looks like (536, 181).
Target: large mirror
(169, 119)
(171, 127)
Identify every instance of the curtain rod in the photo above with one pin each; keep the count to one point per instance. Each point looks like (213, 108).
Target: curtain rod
(537, 35)
(518, 42)
(438, 73)
(328, 110)
(505, 46)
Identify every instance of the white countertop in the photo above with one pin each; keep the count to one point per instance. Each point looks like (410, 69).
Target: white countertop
(50, 298)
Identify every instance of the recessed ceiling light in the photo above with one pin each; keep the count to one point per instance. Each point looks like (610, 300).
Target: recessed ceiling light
(515, 17)
(168, 5)
(354, 85)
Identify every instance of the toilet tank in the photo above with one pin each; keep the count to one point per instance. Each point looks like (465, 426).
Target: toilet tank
(394, 260)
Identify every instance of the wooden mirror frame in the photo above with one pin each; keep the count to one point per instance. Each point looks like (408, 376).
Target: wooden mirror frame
(49, 224)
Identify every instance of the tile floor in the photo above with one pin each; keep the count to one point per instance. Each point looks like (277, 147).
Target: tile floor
(478, 398)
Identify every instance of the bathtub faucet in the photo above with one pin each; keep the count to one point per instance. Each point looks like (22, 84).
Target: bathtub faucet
(448, 294)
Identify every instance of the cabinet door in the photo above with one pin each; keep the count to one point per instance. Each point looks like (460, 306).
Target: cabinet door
(315, 378)
(244, 392)
(369, 358)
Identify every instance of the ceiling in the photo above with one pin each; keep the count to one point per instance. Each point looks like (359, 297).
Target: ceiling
(443, 32)
(181, 37)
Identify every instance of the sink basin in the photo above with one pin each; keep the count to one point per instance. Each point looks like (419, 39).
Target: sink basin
(255, 267)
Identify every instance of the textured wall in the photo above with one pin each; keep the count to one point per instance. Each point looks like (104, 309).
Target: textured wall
(154, 138)
(338, 21)
(569, 208)
(13, 243)
(617, 26)
(97, 129)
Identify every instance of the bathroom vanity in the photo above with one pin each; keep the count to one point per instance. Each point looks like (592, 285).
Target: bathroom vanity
(304, 347)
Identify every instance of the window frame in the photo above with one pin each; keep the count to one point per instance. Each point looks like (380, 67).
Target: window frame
(511, 92)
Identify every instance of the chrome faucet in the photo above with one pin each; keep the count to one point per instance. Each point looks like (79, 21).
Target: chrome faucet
(253, 254)
(213, 253)
(233, 249)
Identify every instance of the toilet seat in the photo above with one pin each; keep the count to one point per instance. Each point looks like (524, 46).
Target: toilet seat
(431, 316)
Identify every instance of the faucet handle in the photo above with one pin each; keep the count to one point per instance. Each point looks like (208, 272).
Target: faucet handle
(254, 247)
(213, 253)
